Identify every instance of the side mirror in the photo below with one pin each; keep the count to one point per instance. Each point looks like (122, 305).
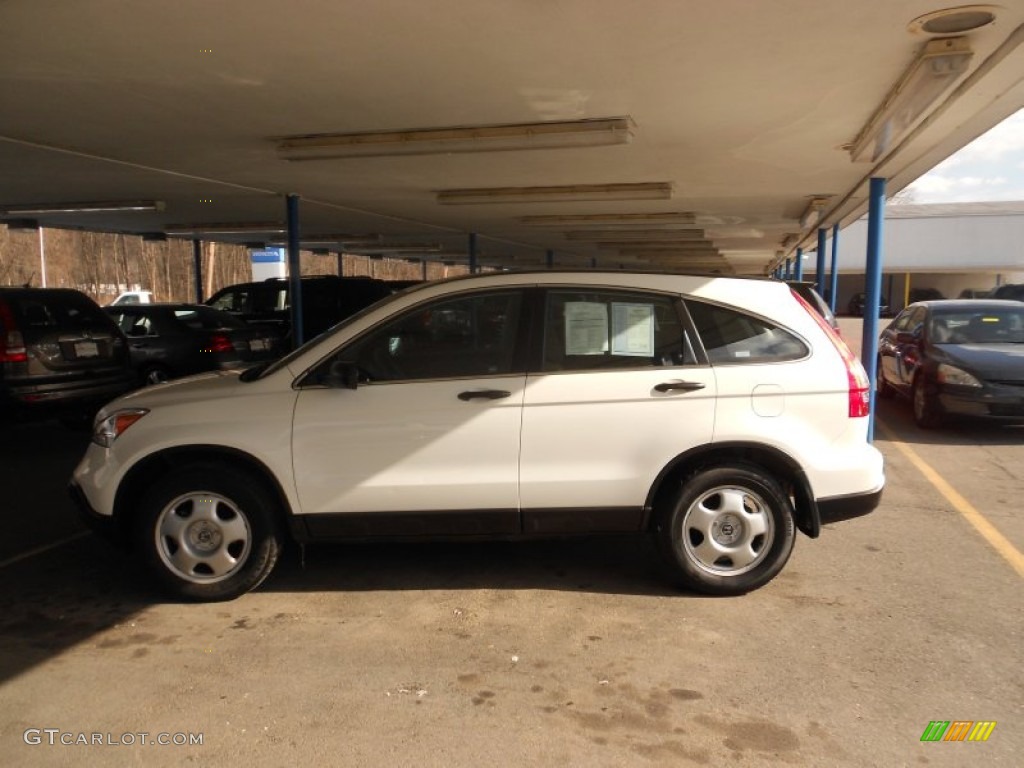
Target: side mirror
(343, 375)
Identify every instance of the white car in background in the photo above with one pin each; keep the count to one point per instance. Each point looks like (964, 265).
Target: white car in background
(133, 297)
(718, 414)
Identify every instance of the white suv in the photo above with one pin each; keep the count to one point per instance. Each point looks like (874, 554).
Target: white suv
(717, 413)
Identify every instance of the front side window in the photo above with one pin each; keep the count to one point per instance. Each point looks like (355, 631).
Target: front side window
(731, 336)
(589, 330)
(470, 336)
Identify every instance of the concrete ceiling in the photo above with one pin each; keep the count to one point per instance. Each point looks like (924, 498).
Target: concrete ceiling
(744, 108)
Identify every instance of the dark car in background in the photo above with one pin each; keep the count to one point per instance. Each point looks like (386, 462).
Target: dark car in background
(60, 355)
(1013, 291)
(924, 294)
(956, 357)
(326, 300)
(166, 341)
(856, 305)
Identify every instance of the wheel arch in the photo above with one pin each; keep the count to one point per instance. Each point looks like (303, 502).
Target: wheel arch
(784, 467)
(145, 472)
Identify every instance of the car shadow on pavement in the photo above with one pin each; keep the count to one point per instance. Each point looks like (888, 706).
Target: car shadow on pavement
(612, 565)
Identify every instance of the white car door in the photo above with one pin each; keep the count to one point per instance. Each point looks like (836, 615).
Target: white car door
(619, 394)
(432, 427)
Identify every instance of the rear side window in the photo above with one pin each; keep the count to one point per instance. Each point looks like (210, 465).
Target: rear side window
(66, 311)
(199, 319)
(590, 330)
(731, 336)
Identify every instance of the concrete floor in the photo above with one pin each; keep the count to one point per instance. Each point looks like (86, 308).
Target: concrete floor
(553, 653)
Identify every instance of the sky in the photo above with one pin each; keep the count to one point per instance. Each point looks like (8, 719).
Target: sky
(989, 168)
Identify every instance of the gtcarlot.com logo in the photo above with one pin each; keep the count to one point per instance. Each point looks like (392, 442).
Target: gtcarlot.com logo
(56, 737)
(958, 730)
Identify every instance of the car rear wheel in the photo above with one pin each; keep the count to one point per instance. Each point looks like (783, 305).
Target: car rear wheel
(208, 533)
(927, 411)
(729, 530)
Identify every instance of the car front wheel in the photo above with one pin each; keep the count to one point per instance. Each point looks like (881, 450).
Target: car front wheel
(729, 530)
(208, 533)
(927, 411)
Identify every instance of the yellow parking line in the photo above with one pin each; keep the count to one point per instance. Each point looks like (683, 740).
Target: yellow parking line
(1000, 543)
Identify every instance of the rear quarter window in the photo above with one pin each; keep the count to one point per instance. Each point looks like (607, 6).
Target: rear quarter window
(733, 337)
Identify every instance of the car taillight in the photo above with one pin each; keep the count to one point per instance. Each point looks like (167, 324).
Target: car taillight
(12, 343)
(219, 343)
(859, 391)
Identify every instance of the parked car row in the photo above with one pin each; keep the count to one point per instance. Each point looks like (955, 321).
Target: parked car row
(62, 355)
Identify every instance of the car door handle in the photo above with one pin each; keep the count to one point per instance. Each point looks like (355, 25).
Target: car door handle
(683, 386)
(484, 394)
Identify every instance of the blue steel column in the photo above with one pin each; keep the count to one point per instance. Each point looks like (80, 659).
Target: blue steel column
(787, 273)
(819, 273)
(294, 270)
(472, 253)
(424, 269)
(550, 259)
(798, 270)
(873, 289)
(197, 270)
(834, 277)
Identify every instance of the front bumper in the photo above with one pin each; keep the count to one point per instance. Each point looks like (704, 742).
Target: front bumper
(993, 401)
(104, 525)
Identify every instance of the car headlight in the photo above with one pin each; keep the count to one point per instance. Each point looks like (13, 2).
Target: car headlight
(109, 429)
(950, 374)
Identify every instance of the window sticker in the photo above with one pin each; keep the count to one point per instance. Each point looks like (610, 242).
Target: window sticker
(586, 328)
(632, 329)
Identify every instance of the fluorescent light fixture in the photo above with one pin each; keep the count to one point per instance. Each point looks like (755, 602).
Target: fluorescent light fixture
(652, 253)
(936, 67)
(394, 248)
(186, 230)
(485, 138)
(339, 240)
(812, 215)
(559, 194)
(109, 206)
(682, 219)
(651, 235)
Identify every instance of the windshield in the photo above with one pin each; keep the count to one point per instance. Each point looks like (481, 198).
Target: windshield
(284, 361)
(979, 326)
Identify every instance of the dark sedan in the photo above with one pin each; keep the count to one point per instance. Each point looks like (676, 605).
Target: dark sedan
(956, 357)
(170, 340)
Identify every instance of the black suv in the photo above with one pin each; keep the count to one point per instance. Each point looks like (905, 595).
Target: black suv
(326, 300)
(60, 355)
(1014, 291)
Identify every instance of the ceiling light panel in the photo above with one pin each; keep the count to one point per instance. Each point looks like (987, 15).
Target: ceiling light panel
(108, 206)
(936, 67)
(682, 219)
(565, 194)
(657, 235)
(565, 134)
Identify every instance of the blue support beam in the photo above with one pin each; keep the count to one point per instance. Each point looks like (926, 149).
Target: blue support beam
(550, 259)
(834, 275)
(197, 269)
(787, 273)
(873, 289)
(819, 268)
(294, 270)
(798, 270)
(472, 253)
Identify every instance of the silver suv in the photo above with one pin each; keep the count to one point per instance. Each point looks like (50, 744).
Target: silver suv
(718, 414)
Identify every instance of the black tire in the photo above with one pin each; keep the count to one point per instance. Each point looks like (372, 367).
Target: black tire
(208, 533)
(882, 388)
(928, 413)
(155, 374)
(747, 518)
